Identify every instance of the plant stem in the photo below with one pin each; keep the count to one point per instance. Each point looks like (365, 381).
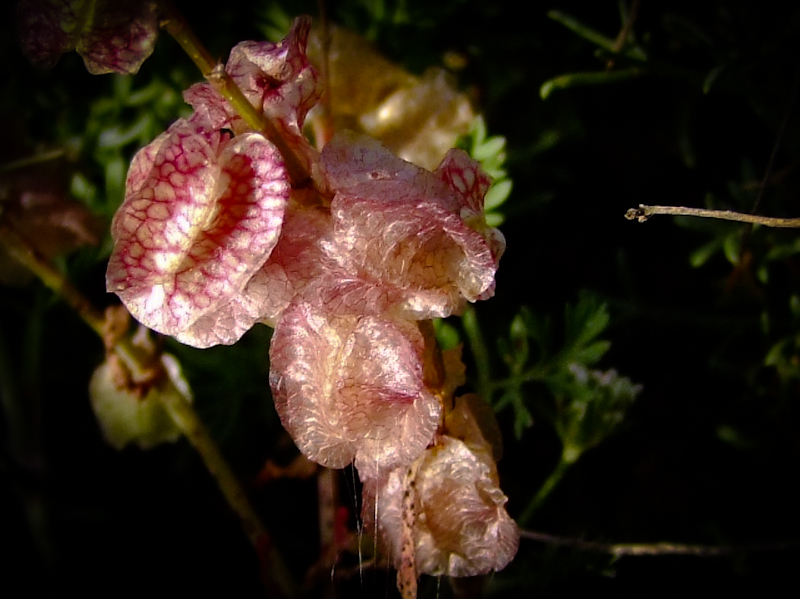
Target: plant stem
(23, 252)
(537, 373)
(642, 213)
(480, 353)
(275, 575)
(588, 78)
(31, 160)
(175, 24)
(627, 26)
(544, 491)
(662, 548)
(582, 30)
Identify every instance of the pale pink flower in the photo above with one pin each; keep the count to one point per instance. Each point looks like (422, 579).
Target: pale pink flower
(351, 388)
(201, 215)
(420, 236)
(460, 526)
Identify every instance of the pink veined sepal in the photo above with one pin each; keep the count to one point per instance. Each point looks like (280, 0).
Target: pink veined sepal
(201, 215)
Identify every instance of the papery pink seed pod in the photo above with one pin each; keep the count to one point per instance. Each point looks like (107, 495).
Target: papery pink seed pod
(461, 527)
(275, 77)
(296, 262)
(279, 80)
(350, 388)
(201, 215)
(111, 36)
(278, 76)
(420, 234)
(466, 178)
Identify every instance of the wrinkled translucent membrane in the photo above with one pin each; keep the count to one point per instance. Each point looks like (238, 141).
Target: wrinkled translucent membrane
(419, 235)
(350, 388)
(205, 205)
(201, 215)
(461, 527)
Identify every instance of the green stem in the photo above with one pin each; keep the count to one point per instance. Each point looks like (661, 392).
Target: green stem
(545, 490)
(23, 252)
(539, 373)
(480, 353)
(275, 574)
(175, 24)
(588, 78)
(595, 37)
(31, 160)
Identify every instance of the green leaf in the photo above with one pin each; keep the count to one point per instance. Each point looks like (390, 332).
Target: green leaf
(702, 254)
(490, 152)
(523, 419)
(495, 219)
(490, 149)
(497, 194)
(731, 246)
(519, 341)
(585, 321)
(591, 354)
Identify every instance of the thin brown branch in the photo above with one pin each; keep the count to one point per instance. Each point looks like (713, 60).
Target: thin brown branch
(642, 213)
(663, 548)
(627, 26)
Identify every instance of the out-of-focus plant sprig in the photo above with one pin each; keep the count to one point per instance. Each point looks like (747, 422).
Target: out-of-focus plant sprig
(551, 376)
(118, 125)
(623, 48)
(532, 356)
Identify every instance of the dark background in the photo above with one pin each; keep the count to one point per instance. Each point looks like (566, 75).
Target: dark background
(710, 450)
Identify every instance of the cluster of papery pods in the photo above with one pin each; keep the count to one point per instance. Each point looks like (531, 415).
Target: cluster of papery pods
(349, 266)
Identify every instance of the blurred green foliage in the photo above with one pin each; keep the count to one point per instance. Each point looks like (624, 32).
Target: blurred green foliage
(589, 404)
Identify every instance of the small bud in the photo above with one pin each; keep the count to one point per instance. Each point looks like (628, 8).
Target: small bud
(136, 413)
